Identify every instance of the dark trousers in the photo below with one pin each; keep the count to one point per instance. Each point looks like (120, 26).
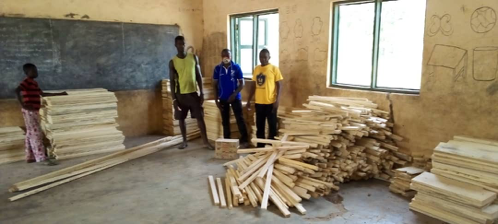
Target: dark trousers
(225, 117)
(264, 112)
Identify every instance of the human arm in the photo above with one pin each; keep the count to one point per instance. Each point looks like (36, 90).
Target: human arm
(240, 84)
(172, 84)
(198, 78)
(277, 102)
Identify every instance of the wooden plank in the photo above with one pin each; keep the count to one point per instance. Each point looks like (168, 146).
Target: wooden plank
(305, 165)
(46, 187)
(439, 214)
(473, 153)
(229, 193)
(214, 192)
(456, 189)
(411, 170)
(475, 140)
(221, 193)
(267, 165)
(266, 192)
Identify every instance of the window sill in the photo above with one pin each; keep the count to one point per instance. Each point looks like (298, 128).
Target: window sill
(385, 90)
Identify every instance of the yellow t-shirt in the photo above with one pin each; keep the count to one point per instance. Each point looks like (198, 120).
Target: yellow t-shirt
(265, 78)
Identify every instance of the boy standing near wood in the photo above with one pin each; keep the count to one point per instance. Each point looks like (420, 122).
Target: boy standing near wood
(266, 90)
(185, 76)
(29, 95)
(228, 81)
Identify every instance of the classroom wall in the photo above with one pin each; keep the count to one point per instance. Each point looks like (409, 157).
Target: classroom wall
(447, 105)
(140, 111)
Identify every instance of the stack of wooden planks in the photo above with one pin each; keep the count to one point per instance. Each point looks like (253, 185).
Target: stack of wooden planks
(214, 126)
(59, 177)
(171, 126)
(277, 173)
(11, 144)
(332, 141)
(81, 123)
(422, 161)
(400, 184)
(463, 185)
(351, 139)
(453, 201)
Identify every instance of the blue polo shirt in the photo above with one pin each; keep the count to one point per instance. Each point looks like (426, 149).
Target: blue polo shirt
(227, 80)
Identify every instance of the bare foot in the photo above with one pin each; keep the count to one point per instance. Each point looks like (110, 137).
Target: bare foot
(208, 146)
(183, 145)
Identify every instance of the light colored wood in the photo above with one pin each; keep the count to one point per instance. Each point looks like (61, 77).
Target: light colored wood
(475, 140)
(254, 150)
(221, 193)
(267, 165)
(411, 170)
(455, 189)
(287, 169)
(305, 165)
(214, 192)
(229, 197)
(266, 192)
(439, 214)
(54, 184)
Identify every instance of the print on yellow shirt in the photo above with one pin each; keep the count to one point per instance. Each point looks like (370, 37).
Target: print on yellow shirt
(265, 78)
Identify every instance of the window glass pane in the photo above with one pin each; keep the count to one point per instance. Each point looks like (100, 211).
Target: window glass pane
(354, 61)
(272, 36)
(261, 32)
(401, 44)
(246, 61)
(245, 31)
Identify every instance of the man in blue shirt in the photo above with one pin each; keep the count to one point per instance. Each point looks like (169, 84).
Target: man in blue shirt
(227, 84)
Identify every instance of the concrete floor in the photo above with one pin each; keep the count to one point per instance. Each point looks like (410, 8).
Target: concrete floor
(171, 187)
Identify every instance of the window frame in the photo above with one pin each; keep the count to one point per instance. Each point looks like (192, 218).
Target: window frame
(235, 41)
(375, 49)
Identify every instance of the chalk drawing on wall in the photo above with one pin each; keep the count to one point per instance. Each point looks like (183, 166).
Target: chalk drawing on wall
(284, 30)
(483, 19)
(316, 28)
(450, 57)
(302, 54)
(319, 55)
(298, 29)
(440, 24)
(285, 57)
(485, 63)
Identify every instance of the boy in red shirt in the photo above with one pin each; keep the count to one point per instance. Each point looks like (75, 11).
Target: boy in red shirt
(29, 95)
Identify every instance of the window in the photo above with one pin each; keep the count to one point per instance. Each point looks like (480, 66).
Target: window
(250, 33)
(378, 44)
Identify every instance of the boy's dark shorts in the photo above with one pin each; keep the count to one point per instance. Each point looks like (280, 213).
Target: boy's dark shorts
(189, 102)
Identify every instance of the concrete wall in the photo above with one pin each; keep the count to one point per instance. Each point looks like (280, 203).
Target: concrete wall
(139, 111)
(447, 105)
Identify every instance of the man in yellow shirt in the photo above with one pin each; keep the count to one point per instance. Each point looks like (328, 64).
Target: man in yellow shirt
(185, 76)
(266, 88)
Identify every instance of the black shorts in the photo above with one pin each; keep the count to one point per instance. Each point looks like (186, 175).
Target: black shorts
(189, 102)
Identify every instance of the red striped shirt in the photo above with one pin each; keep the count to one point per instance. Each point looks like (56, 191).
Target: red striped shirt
(31, 93)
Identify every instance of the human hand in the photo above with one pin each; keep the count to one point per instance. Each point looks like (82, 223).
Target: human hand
(232, 98)
(275, 106)
(219, 105)
(175, 105)
(202, 98)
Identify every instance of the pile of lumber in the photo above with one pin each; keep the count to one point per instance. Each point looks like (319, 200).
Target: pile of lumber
(171, 126)
(463, 185)
(350, 138)
(422, 161)
(214, 126)
(81, 123)
(11, 145)
(400, 184)
(277, 173)
(332, 141)
(453, 201)
(59, 177)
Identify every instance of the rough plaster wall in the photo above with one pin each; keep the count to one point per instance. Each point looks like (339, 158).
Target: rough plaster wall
(139, 111)
(448, 104)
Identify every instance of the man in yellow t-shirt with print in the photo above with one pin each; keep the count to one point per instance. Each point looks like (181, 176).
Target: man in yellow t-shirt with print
(267, 89)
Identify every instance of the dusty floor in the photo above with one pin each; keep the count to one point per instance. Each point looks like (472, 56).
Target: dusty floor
(171, 187)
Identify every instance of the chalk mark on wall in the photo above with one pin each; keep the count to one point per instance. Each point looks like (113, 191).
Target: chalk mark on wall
(316, 28)
(450, 57)
(319, 55)
(291, 9)
(298, 28)
(485, 63)
(285, 57)
(302, 54)
(442, 24)
(284, 30)
(483, 19)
